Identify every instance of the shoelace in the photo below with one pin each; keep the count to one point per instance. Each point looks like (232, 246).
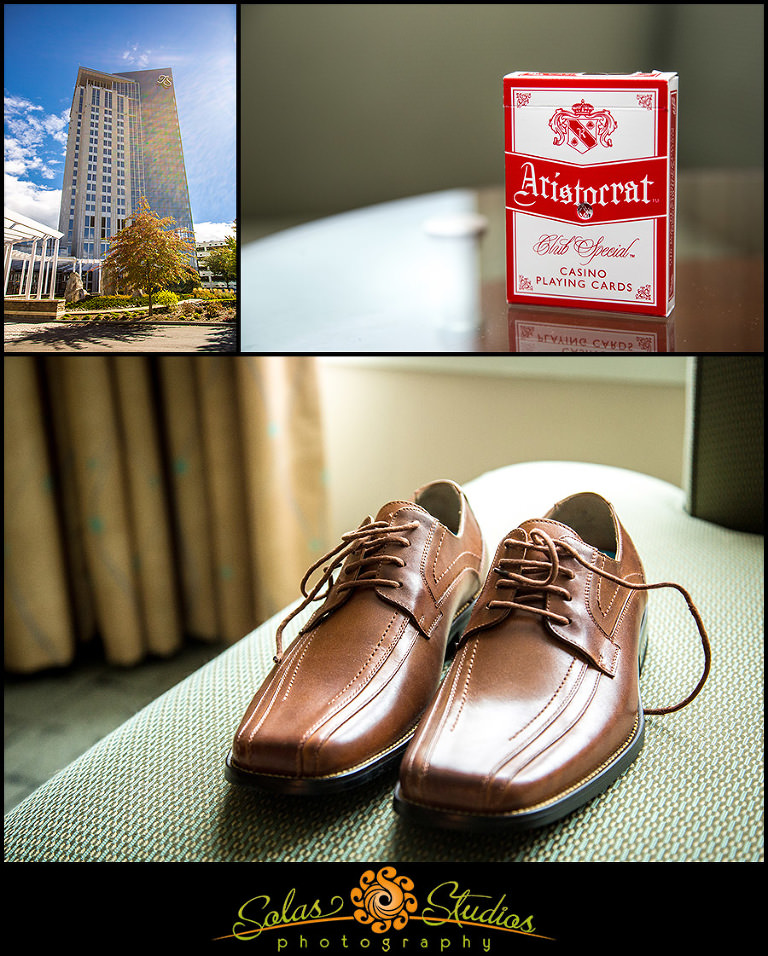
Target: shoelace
(369, 539)
(512, 574)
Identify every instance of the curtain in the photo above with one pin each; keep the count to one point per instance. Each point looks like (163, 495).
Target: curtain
(153, 499)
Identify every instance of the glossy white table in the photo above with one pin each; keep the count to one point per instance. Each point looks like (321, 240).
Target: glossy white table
(414, 276)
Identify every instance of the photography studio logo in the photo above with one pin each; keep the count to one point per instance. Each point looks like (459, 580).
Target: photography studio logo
(383, 912)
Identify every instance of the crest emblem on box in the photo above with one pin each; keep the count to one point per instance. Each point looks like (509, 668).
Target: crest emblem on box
(582, 128)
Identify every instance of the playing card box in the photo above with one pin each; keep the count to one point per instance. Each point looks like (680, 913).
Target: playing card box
(590, 171)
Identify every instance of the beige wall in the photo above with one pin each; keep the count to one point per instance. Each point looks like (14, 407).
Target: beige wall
(391, 428)
(343, 105)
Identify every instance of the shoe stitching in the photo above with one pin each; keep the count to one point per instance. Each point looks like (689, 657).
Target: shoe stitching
(436, 578)
(295, 665)
(596, 573)
(371, 656)
(438, 606)
(342, 704)
(544, 803)
(612, 598)
(544, 747)
(467, 554)
(441, 715)
(465, 690)
(275, 688)
(551, 701)
(602, 584)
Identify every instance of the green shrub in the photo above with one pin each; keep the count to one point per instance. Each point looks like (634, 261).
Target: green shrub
(96, 302)
(168, 299)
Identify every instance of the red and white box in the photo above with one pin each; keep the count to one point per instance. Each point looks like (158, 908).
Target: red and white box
(591, 171)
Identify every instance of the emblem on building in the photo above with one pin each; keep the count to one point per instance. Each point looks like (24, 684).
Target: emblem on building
(582, 128)
(164, 81)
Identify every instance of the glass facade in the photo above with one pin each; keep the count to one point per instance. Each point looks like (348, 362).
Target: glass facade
(124, 143)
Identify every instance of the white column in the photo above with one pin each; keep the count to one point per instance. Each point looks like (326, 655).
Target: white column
(30, 270)
(8, 257)
(54, 268)
(41, 271)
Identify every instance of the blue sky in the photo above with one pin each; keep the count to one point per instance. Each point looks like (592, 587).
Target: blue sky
(44, 45)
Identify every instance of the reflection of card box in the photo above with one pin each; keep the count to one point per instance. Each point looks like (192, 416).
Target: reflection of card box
(591, 168)
(544, 330)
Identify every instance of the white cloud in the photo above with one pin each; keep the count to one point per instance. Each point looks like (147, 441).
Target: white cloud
(31, 135)
(23, 160)
(31, 129)
(213, 231)
(19, 104)
(133, 56)
(57, 127)
(33, 201)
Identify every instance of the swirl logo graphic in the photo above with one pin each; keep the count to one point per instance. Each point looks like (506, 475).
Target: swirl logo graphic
(384, 900)
(164, 81)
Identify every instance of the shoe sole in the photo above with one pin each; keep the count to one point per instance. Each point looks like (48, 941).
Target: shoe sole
(316, 786)
(347, 779)
(541, 815)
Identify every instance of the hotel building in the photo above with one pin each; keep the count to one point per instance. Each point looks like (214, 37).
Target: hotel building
(124, 143)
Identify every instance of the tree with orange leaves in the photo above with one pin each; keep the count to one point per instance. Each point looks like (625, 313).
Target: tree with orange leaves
(148, 254)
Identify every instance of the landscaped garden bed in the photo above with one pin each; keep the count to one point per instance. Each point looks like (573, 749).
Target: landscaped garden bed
(204, 305)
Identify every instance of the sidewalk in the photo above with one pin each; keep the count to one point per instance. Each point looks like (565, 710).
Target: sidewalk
(117, 337)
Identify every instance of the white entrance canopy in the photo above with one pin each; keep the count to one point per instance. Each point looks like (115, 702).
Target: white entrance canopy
(18, 229)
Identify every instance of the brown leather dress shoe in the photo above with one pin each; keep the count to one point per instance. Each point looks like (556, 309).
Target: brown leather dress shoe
(344, 701)
(540, 710)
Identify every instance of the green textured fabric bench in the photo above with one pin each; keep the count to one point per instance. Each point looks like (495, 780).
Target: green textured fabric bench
(154, 789)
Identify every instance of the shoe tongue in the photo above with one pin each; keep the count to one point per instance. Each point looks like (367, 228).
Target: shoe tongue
(386, 512)
(556, 530)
